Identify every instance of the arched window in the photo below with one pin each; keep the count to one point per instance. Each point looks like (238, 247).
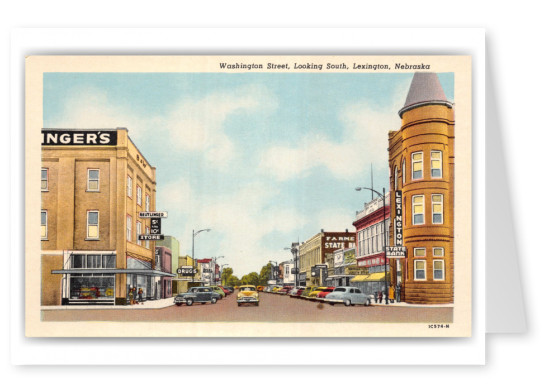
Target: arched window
(403, 172)
(395, 178)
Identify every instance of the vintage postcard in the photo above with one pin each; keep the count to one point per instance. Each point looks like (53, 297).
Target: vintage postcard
(248, 196)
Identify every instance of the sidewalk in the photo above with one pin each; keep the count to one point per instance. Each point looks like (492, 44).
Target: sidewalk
(402, 304)
(147, 305)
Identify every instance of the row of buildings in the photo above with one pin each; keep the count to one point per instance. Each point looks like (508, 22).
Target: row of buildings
(416, 214)
(94, 184)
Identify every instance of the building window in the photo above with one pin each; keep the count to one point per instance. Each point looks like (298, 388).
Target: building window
(92, 224)
(417, 165)
(147, 233)
(395, 178)
(147, 202)
(138, 232)
(138, 195)
(438, 269)
(93, 180)
(44, 225)
(419, 252)
(418, 205)
(403, 172)
(129, 228)
(129, 187)
(437, 209)
(436, 164)
(420, 269)
(438, 252)
(44, 179)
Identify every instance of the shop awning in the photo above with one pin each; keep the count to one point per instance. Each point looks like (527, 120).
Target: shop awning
(340, 276)
(376, 277)
(360, 278)
(147, 272)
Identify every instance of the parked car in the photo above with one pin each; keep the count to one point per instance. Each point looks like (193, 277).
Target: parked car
(229, 288)
(247, 295)
(276, 288)
(199, 294)
(218, 290)
(314, 292)
(325, 292)
(260, 288)
(296, 292)
(348, 295)
(285, 290)
(306, 291)
(226, 290)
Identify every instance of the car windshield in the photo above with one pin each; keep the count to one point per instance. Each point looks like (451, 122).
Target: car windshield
(247, 288)
(328, 290)
(340, 290)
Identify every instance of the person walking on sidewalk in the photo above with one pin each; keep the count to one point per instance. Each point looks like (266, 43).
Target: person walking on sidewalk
(131, 296)
(380, 296)
(391, 293)
(140, 296)
(398, 292)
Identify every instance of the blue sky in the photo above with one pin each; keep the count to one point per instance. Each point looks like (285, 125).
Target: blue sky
(262, 159)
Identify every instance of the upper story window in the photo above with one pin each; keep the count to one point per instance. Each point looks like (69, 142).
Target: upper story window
(138, 195)
(147, 233)
(418, 205)
(138, 232)
(92, 224)
(395, 178)
(436, 164)
(93, 180)
(44, 179)
(147, 203)
(129, 186)
(437, 209)
(438, 252)
(129, 228)
(417, 165)
(403, 172)
(44, 224)
(438, 269)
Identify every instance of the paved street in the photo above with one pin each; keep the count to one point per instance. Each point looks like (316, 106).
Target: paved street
(272, 308)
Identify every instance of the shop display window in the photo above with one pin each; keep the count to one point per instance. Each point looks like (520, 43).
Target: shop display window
(92, 287)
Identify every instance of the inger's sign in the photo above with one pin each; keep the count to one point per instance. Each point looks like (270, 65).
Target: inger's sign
(79, 137)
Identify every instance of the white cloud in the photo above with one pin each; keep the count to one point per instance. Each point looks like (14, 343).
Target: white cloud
(365, 141)
(336, 220)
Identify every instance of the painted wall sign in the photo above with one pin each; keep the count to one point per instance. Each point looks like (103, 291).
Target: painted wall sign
(78, 137)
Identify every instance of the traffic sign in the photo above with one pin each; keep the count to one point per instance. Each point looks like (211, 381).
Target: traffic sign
(151, 237)
(148, 215)
(396, 251)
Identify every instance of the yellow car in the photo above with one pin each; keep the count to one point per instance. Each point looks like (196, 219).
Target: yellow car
(276, 288)
(314, 293)
(260, 288)
(247, 294)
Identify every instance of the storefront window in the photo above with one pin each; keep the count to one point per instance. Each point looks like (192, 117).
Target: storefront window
(92, 287)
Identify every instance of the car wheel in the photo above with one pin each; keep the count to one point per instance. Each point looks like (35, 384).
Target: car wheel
(367, 302)
(213, 300)
(347, 303)
(189, 302)
(179, 304)
(257, 303)
(239, 304)
(203, 303)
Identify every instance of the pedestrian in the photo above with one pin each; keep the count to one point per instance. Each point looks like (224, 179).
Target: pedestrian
(140, 296)
(380, 296)
(131, 296)
(391, 294)
(135, 295)
(398, 292)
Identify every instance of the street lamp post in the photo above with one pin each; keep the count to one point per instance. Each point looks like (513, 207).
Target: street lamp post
(193, 244)
(272, 275)
(294, 251)
(384, 233)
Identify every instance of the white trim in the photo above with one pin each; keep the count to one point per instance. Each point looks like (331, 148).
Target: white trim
(51, 252)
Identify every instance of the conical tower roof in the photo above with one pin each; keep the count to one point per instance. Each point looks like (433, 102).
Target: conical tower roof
(425, 89)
